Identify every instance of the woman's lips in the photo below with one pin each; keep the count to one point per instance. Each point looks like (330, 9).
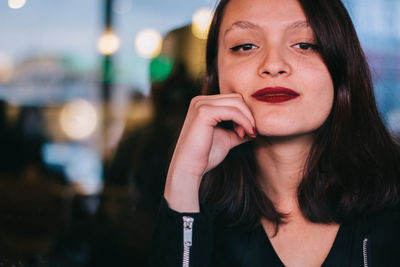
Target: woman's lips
(275, 94)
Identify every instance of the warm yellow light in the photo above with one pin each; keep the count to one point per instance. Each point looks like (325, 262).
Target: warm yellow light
(15, 4)
(78, 119)
(6, 68)
(148, 43)
(201, 22)
(108, 43)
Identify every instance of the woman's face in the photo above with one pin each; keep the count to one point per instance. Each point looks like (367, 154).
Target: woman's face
(268, 53)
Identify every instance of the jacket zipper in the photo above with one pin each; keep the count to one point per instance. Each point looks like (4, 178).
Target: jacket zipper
(365, 252)
(187, 239)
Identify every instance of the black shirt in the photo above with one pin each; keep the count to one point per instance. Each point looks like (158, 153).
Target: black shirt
(369, 241)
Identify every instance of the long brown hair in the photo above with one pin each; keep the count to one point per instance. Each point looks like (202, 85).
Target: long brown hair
(353, 167)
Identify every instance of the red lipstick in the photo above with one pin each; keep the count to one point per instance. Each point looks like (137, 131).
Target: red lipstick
(275, 94)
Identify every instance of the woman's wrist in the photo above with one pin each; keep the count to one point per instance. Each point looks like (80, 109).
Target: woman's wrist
(182, 192)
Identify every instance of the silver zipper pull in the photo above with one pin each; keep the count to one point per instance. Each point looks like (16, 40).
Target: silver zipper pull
(187, 230)
(187, 239)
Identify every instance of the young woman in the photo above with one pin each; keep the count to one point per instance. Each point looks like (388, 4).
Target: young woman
(285, 160)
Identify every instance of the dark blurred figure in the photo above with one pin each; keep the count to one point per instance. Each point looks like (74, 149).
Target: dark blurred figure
(32, 203)
(121, 232)
(22, 143)
(8, 160)
(142, 156)
(30, 136)
(141, 160)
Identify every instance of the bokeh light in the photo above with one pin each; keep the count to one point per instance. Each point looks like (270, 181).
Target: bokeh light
(15, 4)
(108, 43)
(201, 22)
(148, 43)
(78, 119)
(160, 68)
(6, 68)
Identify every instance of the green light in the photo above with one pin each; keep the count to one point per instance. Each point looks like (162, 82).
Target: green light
(160, 68)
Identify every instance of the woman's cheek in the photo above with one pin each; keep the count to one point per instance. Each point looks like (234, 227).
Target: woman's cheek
(226, 84)
(234, 80)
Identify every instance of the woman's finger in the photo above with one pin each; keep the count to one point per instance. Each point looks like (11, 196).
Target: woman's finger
(212, 115)
(233, 100)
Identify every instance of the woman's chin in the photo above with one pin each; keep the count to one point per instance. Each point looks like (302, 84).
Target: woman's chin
(277, 130)
(285, 135)
(286, 128)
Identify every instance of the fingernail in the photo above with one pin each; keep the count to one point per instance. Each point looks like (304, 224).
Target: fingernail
(254, 131)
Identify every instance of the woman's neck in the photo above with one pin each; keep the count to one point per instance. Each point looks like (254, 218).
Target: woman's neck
(281, 163)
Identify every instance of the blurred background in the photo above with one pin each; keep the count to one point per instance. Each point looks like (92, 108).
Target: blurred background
(92, 97)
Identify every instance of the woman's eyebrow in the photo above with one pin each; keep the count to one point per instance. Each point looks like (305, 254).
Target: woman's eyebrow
(249, 25)
(299, 24)
(242, 25)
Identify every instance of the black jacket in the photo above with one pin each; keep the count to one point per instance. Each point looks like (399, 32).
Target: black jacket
(370, 241)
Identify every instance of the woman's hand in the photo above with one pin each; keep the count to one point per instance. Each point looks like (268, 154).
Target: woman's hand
(202, 145)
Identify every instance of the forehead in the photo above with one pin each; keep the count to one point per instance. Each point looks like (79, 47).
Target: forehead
(264, 13)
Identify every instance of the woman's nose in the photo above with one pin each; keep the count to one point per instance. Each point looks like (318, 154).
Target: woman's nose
(273, 63)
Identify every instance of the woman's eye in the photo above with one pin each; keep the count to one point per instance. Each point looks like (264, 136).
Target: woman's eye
(306, 46)
(243, 47)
